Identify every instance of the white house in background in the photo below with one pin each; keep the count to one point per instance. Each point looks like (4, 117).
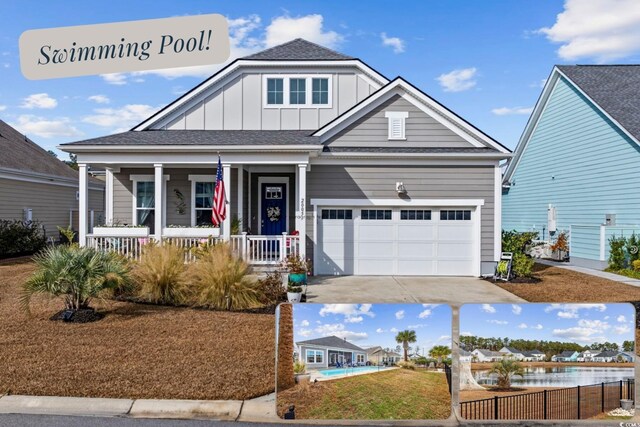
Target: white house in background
(606, 356)
(627, 356)
(465, 356)
(587, 355)
(322, 156)
(379, 356)
(512, 353)
(484, 355)
(330, 351)
(534, 356)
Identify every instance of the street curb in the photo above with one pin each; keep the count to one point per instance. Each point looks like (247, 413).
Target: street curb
(53, 405)
(223, 410)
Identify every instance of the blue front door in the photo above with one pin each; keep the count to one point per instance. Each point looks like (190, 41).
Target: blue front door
(274, 209)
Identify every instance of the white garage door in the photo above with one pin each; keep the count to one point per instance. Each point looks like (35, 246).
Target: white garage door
(396, 241)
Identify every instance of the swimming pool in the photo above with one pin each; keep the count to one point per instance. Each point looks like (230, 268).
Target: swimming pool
(350, 371)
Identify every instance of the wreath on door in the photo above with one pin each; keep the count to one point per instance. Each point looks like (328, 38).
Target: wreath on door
(273, 213)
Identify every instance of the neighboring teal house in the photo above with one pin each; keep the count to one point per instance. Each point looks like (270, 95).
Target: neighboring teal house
(565, 356)
(577, 165)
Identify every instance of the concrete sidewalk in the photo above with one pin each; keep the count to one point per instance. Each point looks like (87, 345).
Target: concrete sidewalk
(591, 271)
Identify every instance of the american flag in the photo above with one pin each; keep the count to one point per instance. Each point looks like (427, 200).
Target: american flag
(219, 205)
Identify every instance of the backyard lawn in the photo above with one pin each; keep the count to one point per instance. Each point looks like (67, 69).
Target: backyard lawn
(397, 394)
(561, 285)
(136, 351)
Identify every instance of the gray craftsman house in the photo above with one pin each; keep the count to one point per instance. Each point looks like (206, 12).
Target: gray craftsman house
(330, 351)
(322, 156)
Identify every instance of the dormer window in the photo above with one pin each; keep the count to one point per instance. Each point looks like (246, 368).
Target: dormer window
(302, 91)
(397, 121)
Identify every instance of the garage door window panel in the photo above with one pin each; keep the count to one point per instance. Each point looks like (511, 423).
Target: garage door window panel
(375, 214)
(455, 215)
(415, 215)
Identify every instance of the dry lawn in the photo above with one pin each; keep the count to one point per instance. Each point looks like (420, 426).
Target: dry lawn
(393, 395)
(136, 351)
(561, 285)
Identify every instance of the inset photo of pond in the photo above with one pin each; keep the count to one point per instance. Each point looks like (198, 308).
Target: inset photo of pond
(364, 361)
(547, 361)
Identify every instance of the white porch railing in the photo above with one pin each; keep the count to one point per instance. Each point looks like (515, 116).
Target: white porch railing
(256, 250)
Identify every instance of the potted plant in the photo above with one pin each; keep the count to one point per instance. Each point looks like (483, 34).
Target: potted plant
(300, 369)
(294, 292)
(298, 268)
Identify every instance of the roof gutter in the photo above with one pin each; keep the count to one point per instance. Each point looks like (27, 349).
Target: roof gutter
(189, 148)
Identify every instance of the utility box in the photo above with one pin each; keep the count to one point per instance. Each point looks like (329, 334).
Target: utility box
(551, 219)
(610, 219)
(27, 214)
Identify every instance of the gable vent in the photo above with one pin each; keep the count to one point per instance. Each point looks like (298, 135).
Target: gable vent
(397, 120)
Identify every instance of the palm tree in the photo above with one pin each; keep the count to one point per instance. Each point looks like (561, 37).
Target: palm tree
(75, 274)
(506, 369)
(405, 338)
(439, 352)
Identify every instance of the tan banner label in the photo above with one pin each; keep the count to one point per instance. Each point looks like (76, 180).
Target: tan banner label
(124, 46)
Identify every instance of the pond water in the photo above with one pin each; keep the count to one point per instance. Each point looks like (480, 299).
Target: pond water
(569, 376)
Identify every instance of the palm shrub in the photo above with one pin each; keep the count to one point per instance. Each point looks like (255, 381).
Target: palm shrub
(405, 338)
(439, 352)
(506, 369)
(299, 367)
(160, 275)
(76, 275)
(220, 280)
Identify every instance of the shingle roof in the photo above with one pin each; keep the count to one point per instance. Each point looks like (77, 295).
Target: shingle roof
(567, 353)
(332, 341)
(615, 88)
(20, 153)
(488, 352)
(514, 350)
(204, 137)
(607, 353)
(298, 50)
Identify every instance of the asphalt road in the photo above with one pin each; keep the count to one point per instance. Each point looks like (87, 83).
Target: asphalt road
(13, 420)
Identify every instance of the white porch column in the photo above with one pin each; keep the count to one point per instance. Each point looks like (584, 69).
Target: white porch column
(241, 197)
(83, 204)
(108, 195)
(158, 202)
(301, 207)
(226, 224)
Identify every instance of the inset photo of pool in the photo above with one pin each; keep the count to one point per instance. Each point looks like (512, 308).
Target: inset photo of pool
(547, 361)
(364, 361)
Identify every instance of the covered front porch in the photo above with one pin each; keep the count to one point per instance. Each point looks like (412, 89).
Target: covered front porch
(170, 200)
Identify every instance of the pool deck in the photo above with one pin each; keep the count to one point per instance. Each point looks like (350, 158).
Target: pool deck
(316, 375)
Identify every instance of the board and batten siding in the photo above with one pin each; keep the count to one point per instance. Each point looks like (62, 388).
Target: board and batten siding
(51, 204)
(421, 130)
(178, 179)
(421, 182)
(238, 104)
(580, 162)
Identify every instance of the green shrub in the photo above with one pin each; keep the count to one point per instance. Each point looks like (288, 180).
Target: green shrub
(19, 238)
(299, 367)
(407, 365)
(76, 275)
(636, 265)
(617, 256)
(633, 248)
(517, 242)
(160, 275)
(522, 265)
(219, 280)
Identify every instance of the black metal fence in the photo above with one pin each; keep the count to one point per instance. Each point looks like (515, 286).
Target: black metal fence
(447, 372)
(572, 403)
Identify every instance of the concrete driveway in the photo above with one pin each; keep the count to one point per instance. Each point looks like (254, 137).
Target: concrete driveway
(405, 289)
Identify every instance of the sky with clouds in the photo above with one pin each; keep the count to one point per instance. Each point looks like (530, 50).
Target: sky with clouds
(580, 323)
(368, 325)
(485, 60)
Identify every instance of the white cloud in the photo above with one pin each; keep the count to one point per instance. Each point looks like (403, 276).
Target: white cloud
(466, 334)
(508, 111)
(3, 107)
(538, 326)
(458, 80)
(621, 329)
(353, 319)
(425, 313)
(621, 318)
(352, 312)
(416, 326)
(122, 118)
(394, 330)
(46, 128)
(396, 43)
(444, 338)
(571, 311)
(488, 308)
(304, 323)
(400, 314)
(338, 329)
(516, 309)
(380, 330)
(599, 29)
(39, 100)
(99, 99)
(498, 322)
(305, 332)
(585, 331)
(523, 326)
(310, 27)
(117, 79)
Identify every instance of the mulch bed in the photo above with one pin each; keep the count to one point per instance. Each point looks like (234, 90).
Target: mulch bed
(136, 351)
(78, 316)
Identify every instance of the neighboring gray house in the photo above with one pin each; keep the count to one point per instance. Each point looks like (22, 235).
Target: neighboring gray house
(512, 352)
(34, 185)
(379, 356)
(607, 356)
(484, 355)
(330, 351)
(575, 169)
(376, 176)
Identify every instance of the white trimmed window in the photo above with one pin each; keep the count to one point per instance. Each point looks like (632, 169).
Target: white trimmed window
(397, 121)
(202, 188)
(315, 356)
(275, 91)
(144, 203)
(360, 358)
(297, 91)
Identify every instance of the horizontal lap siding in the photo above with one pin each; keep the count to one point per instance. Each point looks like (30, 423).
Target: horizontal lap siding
(422, 182)
(596, 169)
(50, 204)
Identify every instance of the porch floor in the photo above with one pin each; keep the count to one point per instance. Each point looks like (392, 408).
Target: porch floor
(405, 289)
